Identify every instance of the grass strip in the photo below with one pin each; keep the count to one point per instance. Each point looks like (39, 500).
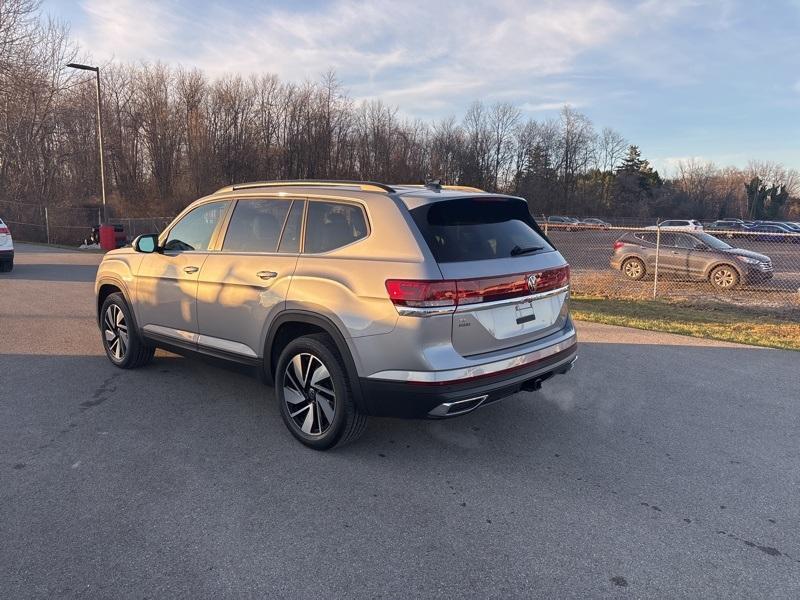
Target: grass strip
(726, 323)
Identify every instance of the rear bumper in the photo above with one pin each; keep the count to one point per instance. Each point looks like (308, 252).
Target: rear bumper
(439, 394)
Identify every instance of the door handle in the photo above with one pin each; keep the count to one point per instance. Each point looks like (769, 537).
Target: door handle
(189, 270)
(266, 274)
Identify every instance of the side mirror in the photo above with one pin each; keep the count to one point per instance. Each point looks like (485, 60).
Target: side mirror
(147, 243)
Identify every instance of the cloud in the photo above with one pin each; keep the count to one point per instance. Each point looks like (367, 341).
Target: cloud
(548, 106)
(128, 29)
(425, 55)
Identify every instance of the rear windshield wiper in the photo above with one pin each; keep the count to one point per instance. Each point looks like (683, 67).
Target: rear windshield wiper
(516, 250)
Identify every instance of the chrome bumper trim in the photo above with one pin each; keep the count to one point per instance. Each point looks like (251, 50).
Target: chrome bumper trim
(432, 311)
(511, 301)
(427, 311)
(564, 342)
(443, 409)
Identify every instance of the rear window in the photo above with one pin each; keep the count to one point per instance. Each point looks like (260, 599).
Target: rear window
(479, 229)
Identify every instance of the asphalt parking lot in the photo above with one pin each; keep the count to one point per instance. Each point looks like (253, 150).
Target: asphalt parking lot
(661, 466)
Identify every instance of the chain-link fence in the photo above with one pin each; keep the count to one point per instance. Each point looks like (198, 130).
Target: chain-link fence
(758, 266)
(70, 226)
(616, 257)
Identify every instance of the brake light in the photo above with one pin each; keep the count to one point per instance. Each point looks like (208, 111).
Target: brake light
(552, 279)
(4, 229)
(421, 294)
(452, 293)
(618, 245)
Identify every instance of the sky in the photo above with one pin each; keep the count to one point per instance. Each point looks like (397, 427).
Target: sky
(714, 80)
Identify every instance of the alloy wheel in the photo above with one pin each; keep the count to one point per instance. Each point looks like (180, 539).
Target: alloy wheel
(115, 330)
(633, 269)
(724, 278)
(309, 394)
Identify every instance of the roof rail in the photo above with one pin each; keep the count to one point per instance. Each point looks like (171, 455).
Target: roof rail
(455, 188)
(366, 186)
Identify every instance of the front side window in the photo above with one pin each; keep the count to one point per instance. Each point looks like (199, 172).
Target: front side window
(256, 225)
(712, 242)
(665, 239)
(686, 242)
(194, 230)
(331, 225)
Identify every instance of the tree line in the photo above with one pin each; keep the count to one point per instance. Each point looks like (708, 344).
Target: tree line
(174, 134)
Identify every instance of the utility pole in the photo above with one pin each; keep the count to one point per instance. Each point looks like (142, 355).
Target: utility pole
(99, 131)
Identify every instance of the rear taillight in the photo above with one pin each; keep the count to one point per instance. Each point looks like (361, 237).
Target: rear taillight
(453, 293)
(421, 294)
(618, 245)
(4, 229)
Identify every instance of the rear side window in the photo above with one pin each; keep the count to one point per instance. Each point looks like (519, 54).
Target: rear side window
(256, 225)
(331, 225)
(479, 229)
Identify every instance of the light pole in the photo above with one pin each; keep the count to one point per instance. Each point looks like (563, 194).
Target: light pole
(99, 132)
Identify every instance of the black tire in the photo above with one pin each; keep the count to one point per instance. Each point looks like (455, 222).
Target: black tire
(634, 268)
(331, 391)
(6, 266)
(130, 354)
(724, 277)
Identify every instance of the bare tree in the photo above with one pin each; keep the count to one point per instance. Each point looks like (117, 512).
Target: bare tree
(175, 134)
(503, 120)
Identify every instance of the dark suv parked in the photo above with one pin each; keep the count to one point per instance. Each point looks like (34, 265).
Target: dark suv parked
(689, 255)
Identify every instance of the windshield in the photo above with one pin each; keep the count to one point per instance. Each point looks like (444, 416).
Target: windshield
(712, 242)
(479, 228)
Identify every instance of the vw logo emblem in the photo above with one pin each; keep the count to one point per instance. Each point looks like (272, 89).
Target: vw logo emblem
(533, 280)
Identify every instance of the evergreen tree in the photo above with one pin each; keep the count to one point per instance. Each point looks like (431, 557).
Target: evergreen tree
(636, 182)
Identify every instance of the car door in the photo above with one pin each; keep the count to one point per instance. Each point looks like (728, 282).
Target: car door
(676, 253)
(646, 248)
(244, 285)
(166, 282)
(699, 257)
(671, 259)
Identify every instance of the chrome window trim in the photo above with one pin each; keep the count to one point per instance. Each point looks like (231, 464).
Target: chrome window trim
(566, 341)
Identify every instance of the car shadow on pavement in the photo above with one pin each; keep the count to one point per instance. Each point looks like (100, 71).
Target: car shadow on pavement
(662, 386)
(52, 272)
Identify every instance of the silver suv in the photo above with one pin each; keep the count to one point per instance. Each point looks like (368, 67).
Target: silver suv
(352, 298)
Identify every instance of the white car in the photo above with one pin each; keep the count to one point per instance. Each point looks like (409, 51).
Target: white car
(679, 224)
(6, 249)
